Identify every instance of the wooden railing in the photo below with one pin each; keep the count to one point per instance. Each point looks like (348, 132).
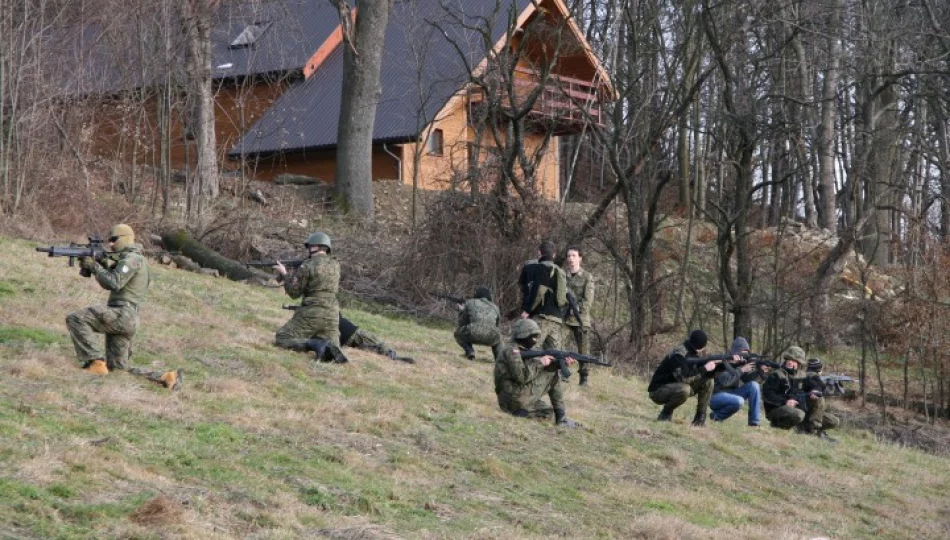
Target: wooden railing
(564, 105)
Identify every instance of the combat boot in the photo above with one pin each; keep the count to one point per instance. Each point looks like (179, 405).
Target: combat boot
(583, 379)
(666, 414)
(97, 367)
(699, 420)
(469, 351)
(319, 348)
(337, 355)
(561, 419)
(172, 379)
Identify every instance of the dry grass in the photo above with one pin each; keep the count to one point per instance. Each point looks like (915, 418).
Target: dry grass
(264, 443)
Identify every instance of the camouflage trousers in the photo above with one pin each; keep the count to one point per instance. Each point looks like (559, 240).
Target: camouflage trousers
(581, 342)
(368, 342)
(117, 323)
(811, 417)
(530, 398)
(311, 322)
(673, 395)
(473, 334)
(550, 337)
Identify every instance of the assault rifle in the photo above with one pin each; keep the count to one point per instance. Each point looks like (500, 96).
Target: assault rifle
(94, 249)
(561, 358)
(289, 263)
(572, 307)
(834, 384)
(449, 297)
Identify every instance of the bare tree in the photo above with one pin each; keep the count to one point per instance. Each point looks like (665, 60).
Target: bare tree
(364, 36)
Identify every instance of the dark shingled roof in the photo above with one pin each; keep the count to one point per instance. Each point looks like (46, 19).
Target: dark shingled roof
(90, 57)
(420, 72)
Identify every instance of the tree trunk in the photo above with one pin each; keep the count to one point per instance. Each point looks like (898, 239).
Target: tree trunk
(363, 42)
(206, 257)
(826, 135)
(204, 186)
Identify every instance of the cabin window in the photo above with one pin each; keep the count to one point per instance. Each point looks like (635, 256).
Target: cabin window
(434, 145)
(250, 34)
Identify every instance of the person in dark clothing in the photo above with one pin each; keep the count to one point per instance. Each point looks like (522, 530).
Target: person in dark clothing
(676, 380)
(544, 296)
(736, 385)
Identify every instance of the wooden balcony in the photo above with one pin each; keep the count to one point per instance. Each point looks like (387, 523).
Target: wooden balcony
(560, 108)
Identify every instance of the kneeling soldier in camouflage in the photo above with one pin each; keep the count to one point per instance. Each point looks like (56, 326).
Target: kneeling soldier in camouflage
(479, 324)
(520, 384)
(315, 325)
(788, 405)
(123, 272)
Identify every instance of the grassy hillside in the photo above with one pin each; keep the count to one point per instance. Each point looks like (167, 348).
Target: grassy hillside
(263, 443)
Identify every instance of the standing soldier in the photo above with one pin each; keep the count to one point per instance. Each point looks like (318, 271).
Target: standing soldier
(124, 273)
(581, 283)
(546, 300)
(521, 383)
(479, 324)
(315, 325)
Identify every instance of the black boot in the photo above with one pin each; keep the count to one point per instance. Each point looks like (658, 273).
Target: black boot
(319, 348)
(700, 419)
(560, 419)
(337, 355)
(469, 351)
(583, 379)
(666, 414)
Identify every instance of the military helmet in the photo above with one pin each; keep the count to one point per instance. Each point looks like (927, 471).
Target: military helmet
(121, 236)
(794, 353)
(318, 239)
(525, 328)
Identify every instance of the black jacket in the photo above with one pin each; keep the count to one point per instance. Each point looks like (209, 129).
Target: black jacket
(674, 368)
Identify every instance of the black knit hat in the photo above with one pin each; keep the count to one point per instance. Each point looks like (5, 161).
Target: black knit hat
(697, 340)
(483, 292)
(814, 364)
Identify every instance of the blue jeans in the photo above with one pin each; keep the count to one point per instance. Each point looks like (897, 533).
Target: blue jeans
(727, 403)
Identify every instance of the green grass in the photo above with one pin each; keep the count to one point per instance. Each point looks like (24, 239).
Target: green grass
(264, 443)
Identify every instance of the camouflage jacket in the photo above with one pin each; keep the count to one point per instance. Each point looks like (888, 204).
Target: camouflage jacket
(521, 379)
(317, 281)
(480, 312)
(582, 285)
(125, 274)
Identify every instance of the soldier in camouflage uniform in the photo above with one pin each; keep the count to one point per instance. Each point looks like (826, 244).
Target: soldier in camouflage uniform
(521, 384)
(546, 298)
(315, 325)
(581, 283)
(124, 273)
(354, 336)
(788, 405)
(675, 379)
(479, 324)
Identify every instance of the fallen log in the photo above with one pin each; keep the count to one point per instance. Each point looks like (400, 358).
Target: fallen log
(206, 257)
